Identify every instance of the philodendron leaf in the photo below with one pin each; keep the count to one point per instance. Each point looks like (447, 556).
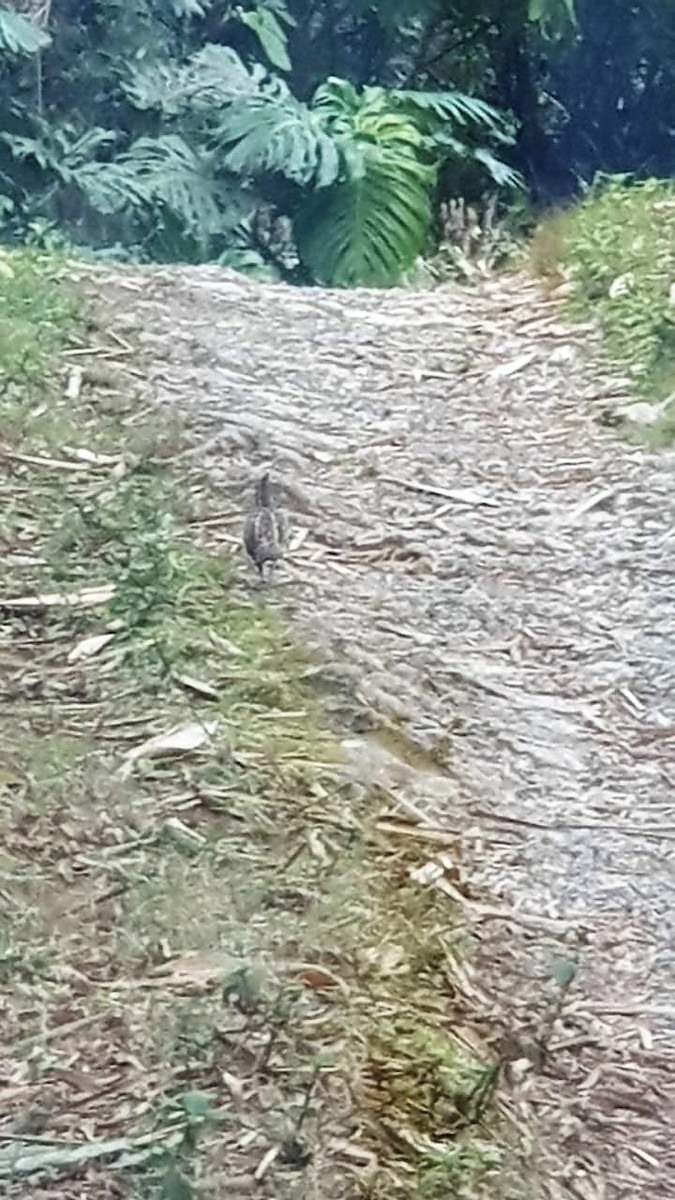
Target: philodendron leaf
(269, 32)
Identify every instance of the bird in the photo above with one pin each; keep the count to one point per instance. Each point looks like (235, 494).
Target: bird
(264, 528)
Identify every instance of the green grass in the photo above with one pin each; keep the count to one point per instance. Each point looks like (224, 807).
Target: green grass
(32, 302)
(618, 249)
(212, 954)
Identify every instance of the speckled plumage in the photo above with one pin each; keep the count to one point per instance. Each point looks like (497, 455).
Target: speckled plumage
(264, 528)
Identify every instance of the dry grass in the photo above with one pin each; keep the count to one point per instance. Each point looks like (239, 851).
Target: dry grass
(216, 971)
(546, 245)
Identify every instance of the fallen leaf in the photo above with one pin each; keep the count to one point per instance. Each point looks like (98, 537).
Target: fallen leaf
(198, 686)
(620, 286)
(194, 971)
(90, 646)
(224, 643)
(563, 970)
(18, 1160)
(266, 1162)
(234, 1085)
(645, 1036)
(180, 833)
(316, 847)
(74, 384)
(317, 978)
(182, 739)
(86, 598)
(391, 959)
(297, 538)
(504, 370)
(91, 456)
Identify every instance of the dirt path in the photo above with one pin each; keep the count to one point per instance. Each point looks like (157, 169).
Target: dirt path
(490, 568)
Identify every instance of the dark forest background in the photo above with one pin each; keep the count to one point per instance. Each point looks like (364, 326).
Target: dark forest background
(317, 139)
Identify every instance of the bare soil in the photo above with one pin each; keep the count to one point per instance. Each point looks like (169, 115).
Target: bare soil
(491, 572)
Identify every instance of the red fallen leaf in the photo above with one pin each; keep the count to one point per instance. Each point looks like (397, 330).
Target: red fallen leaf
(65, 1014)
(317, 979)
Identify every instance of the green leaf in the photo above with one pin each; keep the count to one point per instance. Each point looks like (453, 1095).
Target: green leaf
(501, 172)
(278, 134)
(338, 103)
(174, 174)
(188, 8)
(174, 1186)
(249, 262)
(57, 149)
(458, 108)
(263, 22)
(555, 17)
(212, 78)
(160, 177)
(279, 9)
(197, 1106)
(20, 35)
(371, 156)
(18, 1159)
(371, 225)
(244, 986)
(369, 230)
(563, 970)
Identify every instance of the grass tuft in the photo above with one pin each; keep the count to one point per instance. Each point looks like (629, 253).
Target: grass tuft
(617, 248)
(32, 300)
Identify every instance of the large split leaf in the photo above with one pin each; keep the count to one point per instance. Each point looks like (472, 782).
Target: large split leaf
(368, 230)
(371, 225)
(20, 35)
(266, 24)
(277, 133)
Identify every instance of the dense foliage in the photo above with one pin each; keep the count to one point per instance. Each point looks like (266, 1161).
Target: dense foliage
(314, 138)
(169, 131)
(617, 251)
(600, 101)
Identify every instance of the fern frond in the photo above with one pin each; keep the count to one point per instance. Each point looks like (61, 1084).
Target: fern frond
(455, 108)
(502, 174)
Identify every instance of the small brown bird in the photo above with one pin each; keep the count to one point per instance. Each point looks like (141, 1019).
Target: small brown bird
(264, 529)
